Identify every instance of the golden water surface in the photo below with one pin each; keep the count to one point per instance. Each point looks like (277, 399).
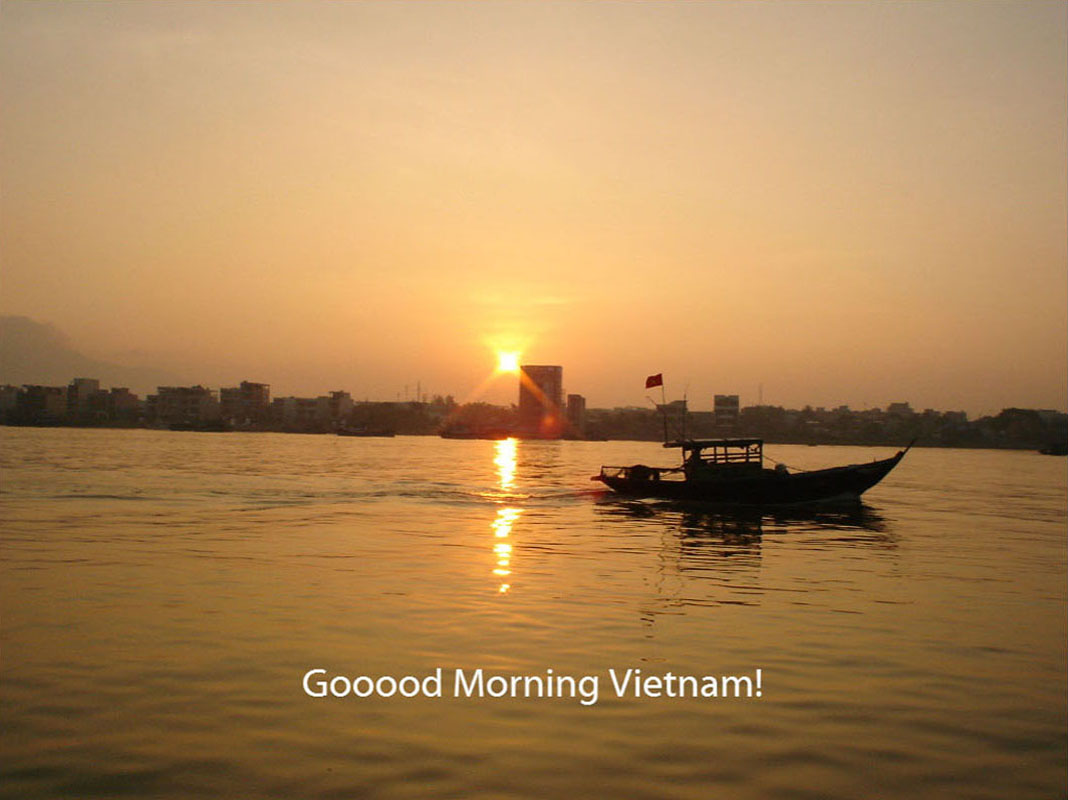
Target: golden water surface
(164, 593)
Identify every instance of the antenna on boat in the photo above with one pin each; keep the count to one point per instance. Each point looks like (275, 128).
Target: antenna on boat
(685, 405)
(662, 407)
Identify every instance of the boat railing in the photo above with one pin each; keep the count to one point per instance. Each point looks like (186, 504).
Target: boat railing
(717, 455)
(638, 472)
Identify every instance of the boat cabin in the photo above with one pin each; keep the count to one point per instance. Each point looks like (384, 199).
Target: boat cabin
(702, 459)
(704, 456)
(723, 451)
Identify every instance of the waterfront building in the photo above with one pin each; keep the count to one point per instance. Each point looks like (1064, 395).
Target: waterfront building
(121, 404)
(41, 405)
(9, 397)
(674, 417)
(81, 394)
(899, 410)
(302, 413)
(247, 403)
(341, 405)
(541, 391)
(726, 409)
(576, 415)
(182, 405)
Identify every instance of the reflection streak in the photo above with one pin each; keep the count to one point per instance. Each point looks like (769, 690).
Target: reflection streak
(504, 458)
(502, 550)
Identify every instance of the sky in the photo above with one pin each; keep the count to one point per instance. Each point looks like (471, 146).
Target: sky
(804, 203)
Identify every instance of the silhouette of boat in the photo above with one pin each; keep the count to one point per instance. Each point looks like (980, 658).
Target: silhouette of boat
(732, 472)
(212, 426)
(365, 432)
(463, 432)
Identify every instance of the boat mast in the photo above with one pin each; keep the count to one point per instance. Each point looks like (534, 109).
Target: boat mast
(685, 409)
(663, 410)
(662, 406)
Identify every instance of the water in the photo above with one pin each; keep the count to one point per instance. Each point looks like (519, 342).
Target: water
(164, 593)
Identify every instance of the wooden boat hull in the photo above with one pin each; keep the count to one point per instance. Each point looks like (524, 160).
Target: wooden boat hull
(766, 488)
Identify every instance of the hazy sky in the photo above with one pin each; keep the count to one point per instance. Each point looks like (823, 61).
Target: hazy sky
(847, 203)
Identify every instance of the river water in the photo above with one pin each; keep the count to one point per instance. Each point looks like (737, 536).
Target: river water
(164, 594)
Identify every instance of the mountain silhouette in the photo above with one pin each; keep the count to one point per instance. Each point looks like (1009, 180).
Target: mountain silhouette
(34, 352)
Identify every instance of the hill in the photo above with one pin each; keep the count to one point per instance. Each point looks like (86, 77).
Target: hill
(34, 352)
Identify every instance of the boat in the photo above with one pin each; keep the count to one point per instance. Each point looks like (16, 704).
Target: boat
(384, 432)
(207, 426)
(732, 472)
(463, 432)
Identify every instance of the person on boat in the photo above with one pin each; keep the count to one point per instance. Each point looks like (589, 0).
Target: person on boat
(693, 464)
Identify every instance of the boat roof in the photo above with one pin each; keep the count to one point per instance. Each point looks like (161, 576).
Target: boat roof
(700, 444)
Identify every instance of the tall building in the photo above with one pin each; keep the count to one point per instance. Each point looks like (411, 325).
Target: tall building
(80, 394)
(576, 415)
(541, 390)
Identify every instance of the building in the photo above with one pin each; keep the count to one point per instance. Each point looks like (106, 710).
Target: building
(576, 415)
(726, 409)
(9, 398)
(247, 403)
(312, 414)
(122, 404)
(959, 418)
(899, 410)
(85, 401)
(341, 406)
(41, 405)
(84, 398)
(541, 390)
(182, 405)
(302, 413)
(673, 418)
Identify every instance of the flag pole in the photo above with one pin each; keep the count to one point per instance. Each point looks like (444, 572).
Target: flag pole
(658, 380)
(685, 411)
(663, 410)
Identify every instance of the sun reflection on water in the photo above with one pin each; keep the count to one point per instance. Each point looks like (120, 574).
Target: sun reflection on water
(504, 458)
(502, 547)
(504, 451)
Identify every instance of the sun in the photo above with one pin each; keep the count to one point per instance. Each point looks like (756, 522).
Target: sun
(507, 361)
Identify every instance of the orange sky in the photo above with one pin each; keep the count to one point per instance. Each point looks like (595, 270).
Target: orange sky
(847, 203)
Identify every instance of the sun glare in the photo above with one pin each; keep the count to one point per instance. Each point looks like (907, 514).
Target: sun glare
(507, 361)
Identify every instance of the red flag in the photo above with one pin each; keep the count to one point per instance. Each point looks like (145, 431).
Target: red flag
(654, 380)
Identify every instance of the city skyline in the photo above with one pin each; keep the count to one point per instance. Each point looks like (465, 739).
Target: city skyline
(531, 404)
(856, 205)
(497, 388)
(540, 413)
